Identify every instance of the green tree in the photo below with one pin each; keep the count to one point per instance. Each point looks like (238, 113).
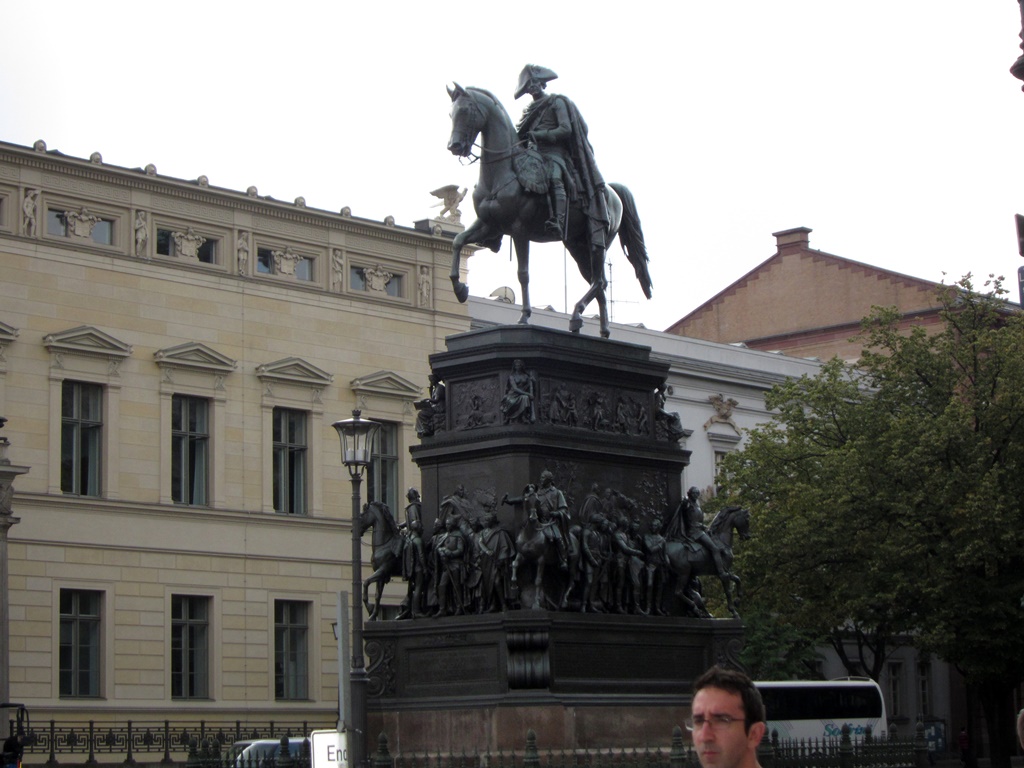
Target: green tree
(887, 498)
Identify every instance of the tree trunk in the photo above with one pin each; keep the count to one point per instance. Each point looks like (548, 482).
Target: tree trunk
(996, 698)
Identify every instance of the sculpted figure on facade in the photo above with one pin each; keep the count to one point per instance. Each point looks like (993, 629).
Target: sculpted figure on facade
(497, 550)
(655, 568)
(377, 279)
(28, 210)
(595, 554)
(517, 406)
(430, 412)
(450, 197)
(81, 223)
(450, 554)
(285, 261)
(187, 244)
(242, 252)
(688, 524)
(456, 505)
(562, 409)
(141, 233)
(414, 571)
(668, 425)
(723, 411)
(423, 285)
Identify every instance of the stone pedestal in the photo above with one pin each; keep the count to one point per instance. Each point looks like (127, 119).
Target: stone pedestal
(596, 420)
(580, 681)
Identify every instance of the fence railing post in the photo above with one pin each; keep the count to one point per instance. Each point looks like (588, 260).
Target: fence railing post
(530, 758)
(846, 748)
(382, 757)
(677, 754)
(920, 746)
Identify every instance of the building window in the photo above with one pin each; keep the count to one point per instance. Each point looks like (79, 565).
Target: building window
(924, 688)
(896, 705)
(264, 261)
(375, 280)
(82, 224)
(190, 443)
(55, 224)
(291, 655)
(289, 461)
(80, 642)
(81, 430)
(304, 268)
(187, 245)
(285, 262)
(382, 477)
(190, 647)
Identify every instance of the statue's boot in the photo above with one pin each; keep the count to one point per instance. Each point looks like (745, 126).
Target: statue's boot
(719, 566)
(556, 224)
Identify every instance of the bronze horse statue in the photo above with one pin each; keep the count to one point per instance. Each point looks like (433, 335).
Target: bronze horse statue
(504, 207)
(534, 549)
(688, 559)
(388, 543)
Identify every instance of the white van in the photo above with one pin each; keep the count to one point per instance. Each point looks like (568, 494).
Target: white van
(818, 709)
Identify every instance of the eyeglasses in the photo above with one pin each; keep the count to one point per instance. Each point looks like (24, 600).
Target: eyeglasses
(717, 722)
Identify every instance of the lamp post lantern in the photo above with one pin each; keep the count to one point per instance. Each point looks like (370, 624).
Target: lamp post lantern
(357, 436)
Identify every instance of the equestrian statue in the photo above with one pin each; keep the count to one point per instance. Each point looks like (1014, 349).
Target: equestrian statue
(539, 182)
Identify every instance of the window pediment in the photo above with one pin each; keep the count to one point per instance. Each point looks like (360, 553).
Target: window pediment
(386, 383)
(294, 370)
(86, 341)
(195, 356)
(8, 333)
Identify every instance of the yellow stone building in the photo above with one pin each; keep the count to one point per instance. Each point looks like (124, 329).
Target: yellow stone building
(172, 357)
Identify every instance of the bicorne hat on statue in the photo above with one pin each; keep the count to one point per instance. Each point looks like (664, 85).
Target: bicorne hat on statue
(533, 73)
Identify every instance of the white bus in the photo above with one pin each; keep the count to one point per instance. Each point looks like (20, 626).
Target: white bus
(813, 709)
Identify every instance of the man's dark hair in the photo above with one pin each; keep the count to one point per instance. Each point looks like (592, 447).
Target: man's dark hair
(734, 681)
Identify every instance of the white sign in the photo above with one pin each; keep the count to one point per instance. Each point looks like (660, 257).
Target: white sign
(330, 749)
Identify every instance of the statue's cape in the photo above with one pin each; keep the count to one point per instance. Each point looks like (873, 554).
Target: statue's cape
(581, 153)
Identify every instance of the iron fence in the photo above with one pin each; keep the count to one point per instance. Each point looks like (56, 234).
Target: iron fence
(171, 743)
(208, 745)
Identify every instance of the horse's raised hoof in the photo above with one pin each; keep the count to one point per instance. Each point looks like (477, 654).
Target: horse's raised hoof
(461, 291)
(575, 323)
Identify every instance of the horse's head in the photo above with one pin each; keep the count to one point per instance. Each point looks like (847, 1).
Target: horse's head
(467, 121)
(377, 515)
(367, 518)
(741, 521)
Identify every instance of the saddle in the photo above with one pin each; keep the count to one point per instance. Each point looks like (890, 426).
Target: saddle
(531, 168)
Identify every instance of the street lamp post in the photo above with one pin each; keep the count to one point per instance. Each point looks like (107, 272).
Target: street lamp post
(357, 436)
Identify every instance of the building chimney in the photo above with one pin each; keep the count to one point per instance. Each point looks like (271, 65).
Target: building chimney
(792, 240)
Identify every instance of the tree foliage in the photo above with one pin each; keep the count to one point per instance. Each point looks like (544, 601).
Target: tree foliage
(887, 497)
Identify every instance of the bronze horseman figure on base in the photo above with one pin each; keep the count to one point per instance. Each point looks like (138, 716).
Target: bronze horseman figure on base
(540, 183)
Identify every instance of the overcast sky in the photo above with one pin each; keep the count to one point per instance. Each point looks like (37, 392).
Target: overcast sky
(892, 128)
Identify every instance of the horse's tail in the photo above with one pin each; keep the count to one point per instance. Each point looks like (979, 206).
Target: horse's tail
(631, 237)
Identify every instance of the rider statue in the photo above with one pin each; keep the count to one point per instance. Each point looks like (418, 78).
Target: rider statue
(689, 520)
(553, 126)
(552, 506)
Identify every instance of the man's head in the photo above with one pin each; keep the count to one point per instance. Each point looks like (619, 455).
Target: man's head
(546, 478)
(533, 79)
(694, 492)
(728, 719)
(412, 495)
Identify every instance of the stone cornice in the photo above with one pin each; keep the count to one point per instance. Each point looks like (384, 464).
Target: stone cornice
(137, 178)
